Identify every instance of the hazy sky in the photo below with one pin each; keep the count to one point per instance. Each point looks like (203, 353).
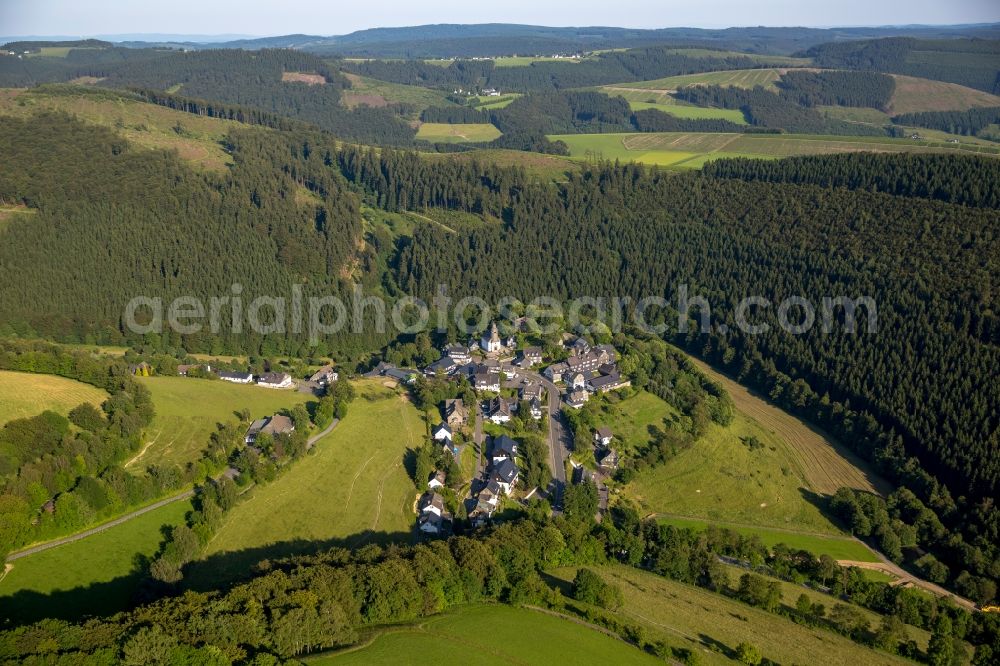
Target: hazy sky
(332, 17)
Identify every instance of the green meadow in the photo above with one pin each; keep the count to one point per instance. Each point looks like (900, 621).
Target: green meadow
(26, 394)
(487, 635)
(188, 411)
(96, 575)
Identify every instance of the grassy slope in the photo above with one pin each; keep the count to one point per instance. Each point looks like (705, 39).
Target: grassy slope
(146, 125)
(742, 78)
(188, 409)
(913, 94)
(24, 394)
(96, 575)
(709, 622)
(693, 149)
(457, 133)
(490, 635)
(353, 485)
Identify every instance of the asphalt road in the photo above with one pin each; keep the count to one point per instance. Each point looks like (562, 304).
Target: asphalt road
(560, 439)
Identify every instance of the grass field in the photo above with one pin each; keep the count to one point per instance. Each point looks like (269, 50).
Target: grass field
(198, 141)
(188, 411)
(714, 625)
(693, 149)
(693, 112)
(913, 94)
(839, 548)
(721, 479)
(373, 92)
(457, 133)
(488, 635)
(631, 418)
(24, 394)
(353, 485)
(487, 103)
(826, 463)
(741, 78)
(93, 576)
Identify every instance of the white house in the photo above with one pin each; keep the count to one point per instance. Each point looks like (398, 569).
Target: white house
(603, 436)
(505, 474)
(431, 502)
(235, 377)
(325, 376)
(498, 410)
(436, 480)
(504, 448)
(442, 433)
(276, 380)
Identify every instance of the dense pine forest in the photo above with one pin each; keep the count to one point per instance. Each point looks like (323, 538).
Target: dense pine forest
(968, 62)
(958, 179)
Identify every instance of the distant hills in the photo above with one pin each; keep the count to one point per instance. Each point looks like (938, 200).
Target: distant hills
(455, 40)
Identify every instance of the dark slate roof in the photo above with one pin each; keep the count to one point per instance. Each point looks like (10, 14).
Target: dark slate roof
(506, 471)
(505, 445)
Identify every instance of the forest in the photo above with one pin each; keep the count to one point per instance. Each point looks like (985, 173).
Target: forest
(957, 179)
(967, 62)
(970, 122)
(763, 108)
(838, 88)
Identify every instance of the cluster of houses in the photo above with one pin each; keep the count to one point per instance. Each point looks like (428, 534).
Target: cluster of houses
(432, 516)
(588, 370)
(502, 477)
(276, 380)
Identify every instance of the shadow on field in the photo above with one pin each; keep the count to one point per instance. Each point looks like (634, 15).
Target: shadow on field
(222, 570)
(218, 572)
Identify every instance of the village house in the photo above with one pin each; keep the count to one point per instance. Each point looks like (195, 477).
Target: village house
(603, 436)
(401, 375)
(498, 410)
(461, 354)
(605, 383)
(486, 381)
(279, 424)
(579, 347)
(325, 376)
(431, 502)
(531, 391)
(504, 448)
(555, 372)
(442, 433)
(235, 377)
(530, 356)
(445, 365)
(455, 414)
(577, 399)
(275, 380)
(535, 408)
(505, 474)
(436, 480)
(183, 370)
(608, 461)
(433, 518)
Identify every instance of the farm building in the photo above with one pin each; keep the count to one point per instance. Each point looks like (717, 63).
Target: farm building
(276, 380)
(235, 377)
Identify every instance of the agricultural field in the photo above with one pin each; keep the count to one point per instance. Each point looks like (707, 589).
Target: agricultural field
(837, 547)
(763, 60)
(97, 575)
(353, 485)
(189, 409)
(25, 394)
(470, 636)
(525, 61)
(197, 139)
(693, 149)
(913, 94)
(713, 625)
(372, 92)
(458, 132)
